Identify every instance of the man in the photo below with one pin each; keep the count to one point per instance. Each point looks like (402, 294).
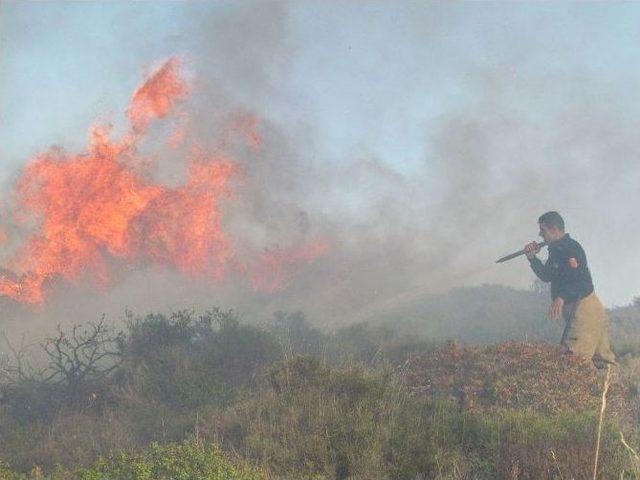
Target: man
(572, 292)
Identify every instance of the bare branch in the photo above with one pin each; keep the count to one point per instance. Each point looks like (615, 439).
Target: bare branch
(83, 353)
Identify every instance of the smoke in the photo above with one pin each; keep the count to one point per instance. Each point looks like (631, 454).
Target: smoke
(528, 135)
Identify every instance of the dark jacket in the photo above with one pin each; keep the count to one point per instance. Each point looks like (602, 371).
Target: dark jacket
(566, 269)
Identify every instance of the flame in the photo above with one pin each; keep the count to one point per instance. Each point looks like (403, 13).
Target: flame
(94, 208)
(179, 133)
(157, 97)
(182, 228)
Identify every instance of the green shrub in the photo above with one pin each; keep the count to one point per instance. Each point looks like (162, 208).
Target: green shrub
(312, 420)
(6, 473)
(70, 438)
(296, 335)
(187, 362)
(187, 461)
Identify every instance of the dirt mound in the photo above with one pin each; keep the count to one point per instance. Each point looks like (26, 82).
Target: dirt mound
(514, 375)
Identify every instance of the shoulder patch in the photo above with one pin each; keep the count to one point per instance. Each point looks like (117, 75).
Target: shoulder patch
(573, 262)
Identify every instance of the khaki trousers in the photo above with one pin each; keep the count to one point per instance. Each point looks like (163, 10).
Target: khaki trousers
(586, 332)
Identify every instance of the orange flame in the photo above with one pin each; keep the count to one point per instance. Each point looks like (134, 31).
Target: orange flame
(95, 207)
(157, 97)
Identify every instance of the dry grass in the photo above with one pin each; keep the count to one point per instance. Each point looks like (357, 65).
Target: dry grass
(513, 375)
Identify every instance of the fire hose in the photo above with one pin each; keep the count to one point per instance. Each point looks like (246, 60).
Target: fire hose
(518, 253)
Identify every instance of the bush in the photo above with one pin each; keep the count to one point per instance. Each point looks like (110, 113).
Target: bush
(186, 461)
(297, 336)
(7, 474)
(438, 440)
(188, 362)
(70, 438)
(311, 420)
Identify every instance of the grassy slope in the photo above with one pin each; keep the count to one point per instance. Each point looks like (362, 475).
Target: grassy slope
(366, 402)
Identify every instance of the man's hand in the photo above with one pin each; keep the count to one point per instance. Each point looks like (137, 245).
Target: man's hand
(556, 308)
(531, 249)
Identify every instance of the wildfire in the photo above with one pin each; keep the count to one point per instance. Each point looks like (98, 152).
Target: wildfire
(95, 208)
(157, 97)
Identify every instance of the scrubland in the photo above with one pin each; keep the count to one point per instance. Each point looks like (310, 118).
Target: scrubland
(209, 395)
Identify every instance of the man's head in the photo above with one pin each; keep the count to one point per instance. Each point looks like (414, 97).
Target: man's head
(551, 227)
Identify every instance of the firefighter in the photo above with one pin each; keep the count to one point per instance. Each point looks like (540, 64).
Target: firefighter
(572, 293)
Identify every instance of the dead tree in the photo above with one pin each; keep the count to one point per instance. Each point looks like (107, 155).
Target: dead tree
(85, 353)
(74, 372)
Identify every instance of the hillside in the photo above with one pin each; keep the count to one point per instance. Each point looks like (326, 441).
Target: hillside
(287, 400)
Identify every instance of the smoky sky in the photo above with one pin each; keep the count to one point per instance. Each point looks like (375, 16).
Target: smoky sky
(422, 141)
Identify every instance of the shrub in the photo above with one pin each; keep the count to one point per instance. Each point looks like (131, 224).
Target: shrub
(189, 460)
(296, 335)
(187, 362)
(70, 438)
(6, 473)
(310, 419)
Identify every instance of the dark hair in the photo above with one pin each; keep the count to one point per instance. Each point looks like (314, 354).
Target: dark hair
(552, 219)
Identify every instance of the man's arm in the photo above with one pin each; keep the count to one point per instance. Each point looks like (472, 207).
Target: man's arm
(540, 269)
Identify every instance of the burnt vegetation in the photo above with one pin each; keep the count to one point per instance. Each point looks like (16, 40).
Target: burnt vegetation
(195, 395)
